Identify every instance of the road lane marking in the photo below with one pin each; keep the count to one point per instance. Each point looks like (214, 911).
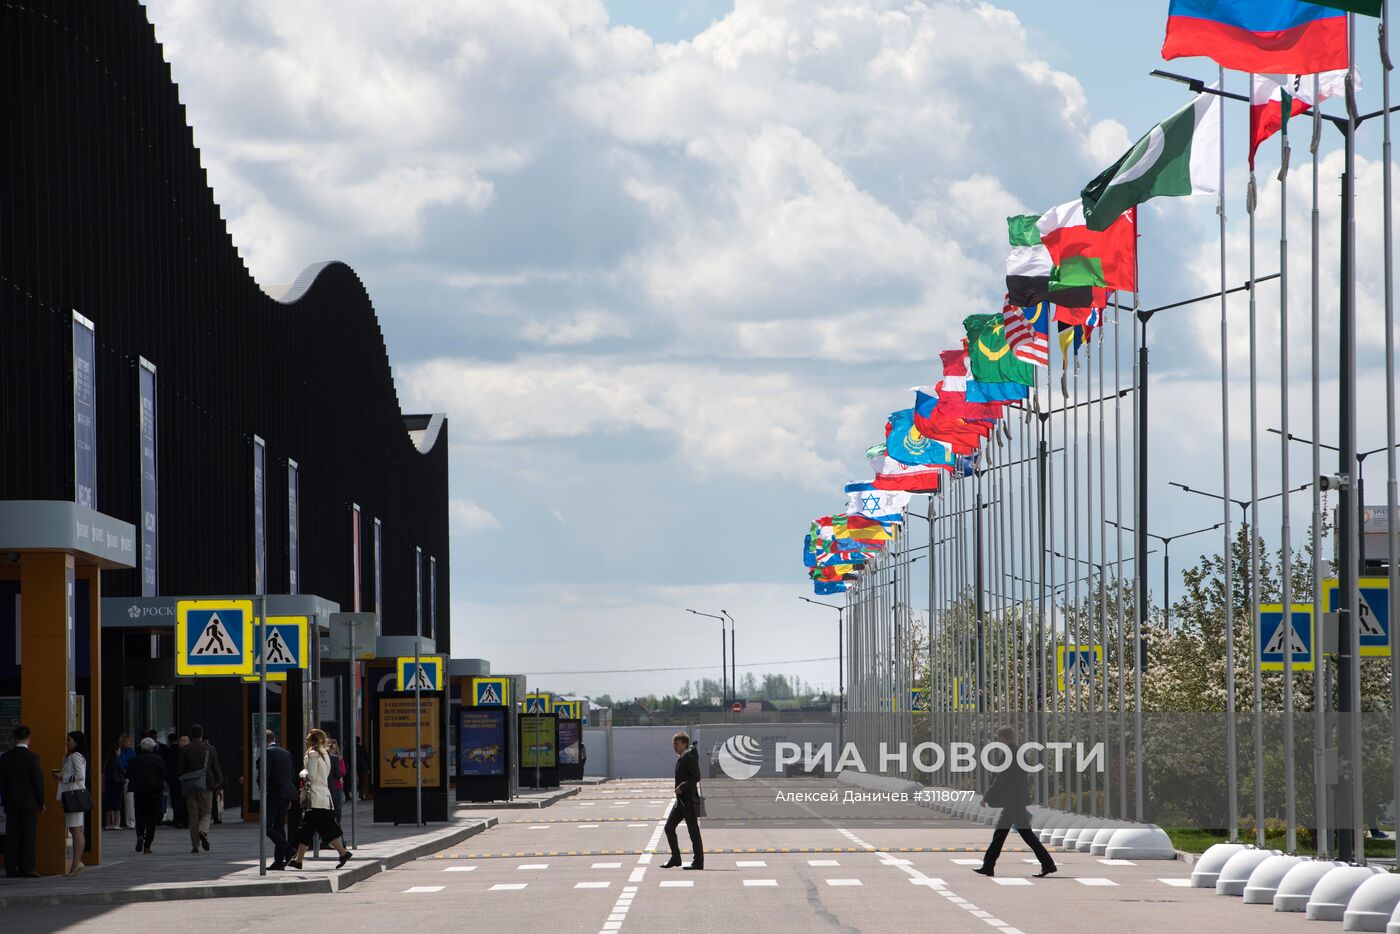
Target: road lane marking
(459, 869)
(967, 862)
(760, 882)
(1017, 881)
(823, 862)
(591, 885)
(421, 889)
(508, 886)
(1118, 862)
(1094, 881)
(751, 863)
(1178, 883)
(677, 883)
(607, 866)
(585, 826)
(843, 882)
(533, 866)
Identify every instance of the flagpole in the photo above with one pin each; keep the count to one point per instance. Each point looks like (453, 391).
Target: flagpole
(1232, 765)
(1139, 553)
(1071, 705)
(1286, 531)
(1393, 521)
(1118, 551)
(1092, 714)
(1251, 203)
(1103, 560)
(1047, 567)
(1320, 658)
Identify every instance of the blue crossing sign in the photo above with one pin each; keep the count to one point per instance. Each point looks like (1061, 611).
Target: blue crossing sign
(285, 647)
(430, 674)
(1372, 612)
(492, 692)
(537, 703)
(213, 637)
(1271, 636)
(1077, 663)
(964, 697)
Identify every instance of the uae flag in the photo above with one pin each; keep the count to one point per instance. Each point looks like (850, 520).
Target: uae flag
(1031, 275)
(1179, 156)
(1276, 98)
(1103, 259)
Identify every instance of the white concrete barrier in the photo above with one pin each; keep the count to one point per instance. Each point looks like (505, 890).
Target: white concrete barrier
(1147, 841)
(1101, 840)
(1208, 864)
(1373, 904)
(1263, 882)
(1296, 886)
(1334, 890)
(1234, 875)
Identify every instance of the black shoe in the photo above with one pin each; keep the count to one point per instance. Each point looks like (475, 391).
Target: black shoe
(138, 846)
(204, 842)
(985, 871)
(293, 864)
(217, 821)
(344, 859)
(30, 875)
(1046, 870)
(696, 864)
(671, 863)
(277, 866)
(146, 850)
(194, 849)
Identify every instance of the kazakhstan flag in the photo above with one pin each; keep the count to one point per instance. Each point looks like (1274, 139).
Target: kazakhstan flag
(907, 446)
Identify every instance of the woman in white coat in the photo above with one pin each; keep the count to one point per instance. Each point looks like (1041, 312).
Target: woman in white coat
(317, 816)
(72, 776)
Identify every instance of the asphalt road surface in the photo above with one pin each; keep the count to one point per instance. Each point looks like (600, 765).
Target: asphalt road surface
(591, 864)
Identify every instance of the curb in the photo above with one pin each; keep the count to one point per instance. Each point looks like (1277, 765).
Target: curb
(518, 805)
(330, 883)
(1188, 858)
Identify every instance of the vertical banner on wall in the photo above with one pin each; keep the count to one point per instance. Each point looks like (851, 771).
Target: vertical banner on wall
(259, 515)
(150, 505)
(378, 577)
(293, 508)
(355, 555)
(432, 598)
(418, 589)
(84, 412)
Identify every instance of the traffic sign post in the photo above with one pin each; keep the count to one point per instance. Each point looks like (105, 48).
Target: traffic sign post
(285, 647)
(1081, 662)
(1372, 613)
(737, 707)
(213, 637)
(491, 692)
(359, 630)
(1271, 646)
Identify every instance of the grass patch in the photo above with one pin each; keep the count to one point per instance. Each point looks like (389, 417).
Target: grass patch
(1198, 841)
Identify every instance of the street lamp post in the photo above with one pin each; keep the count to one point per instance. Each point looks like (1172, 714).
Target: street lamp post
(840, 667)
(1166, 541)
(733, 660)
(723, 664)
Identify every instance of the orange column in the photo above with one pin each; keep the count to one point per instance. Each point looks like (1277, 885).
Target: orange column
(45, 655)
(94, 716)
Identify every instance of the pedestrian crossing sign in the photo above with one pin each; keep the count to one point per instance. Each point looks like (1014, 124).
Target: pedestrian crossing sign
(1372, 611)
(1077, 664)
(492, 692)
(569, 710)
(1271, 634)
(963, 696)
(429, 675)
(537, 703)
(213, 637)
(285, 647)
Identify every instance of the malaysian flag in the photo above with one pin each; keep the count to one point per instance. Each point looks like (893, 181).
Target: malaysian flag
(1028, 332)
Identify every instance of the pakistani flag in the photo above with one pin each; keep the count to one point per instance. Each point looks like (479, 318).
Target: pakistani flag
(990, 354)
(1180, 156)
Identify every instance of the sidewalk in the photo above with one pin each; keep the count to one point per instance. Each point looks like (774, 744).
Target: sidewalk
(230, 869)
(528, 798)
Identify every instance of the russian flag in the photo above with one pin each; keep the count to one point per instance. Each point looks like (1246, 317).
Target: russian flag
(1270, 36)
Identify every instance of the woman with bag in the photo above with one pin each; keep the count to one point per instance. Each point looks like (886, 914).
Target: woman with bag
(74, 796)
(317, 817)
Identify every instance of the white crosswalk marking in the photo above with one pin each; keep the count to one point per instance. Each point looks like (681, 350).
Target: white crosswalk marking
(591, 885)
(1178, 883)
(607, 866)
(1118, 862)
(751, 864)
(533, 866)
(586, 826)
(762, 882)
(1012, 881)
(967, 862)
(677, 883)
(508, 886)
(460, 869)
(420, 889)
(843, 882)
(1095, 881)
(822, 862)
(539, 827)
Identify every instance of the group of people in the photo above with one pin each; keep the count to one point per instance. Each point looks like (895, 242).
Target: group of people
(188, 770)
(121, 788)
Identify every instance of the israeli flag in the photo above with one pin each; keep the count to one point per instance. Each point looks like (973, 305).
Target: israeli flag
(862, 499)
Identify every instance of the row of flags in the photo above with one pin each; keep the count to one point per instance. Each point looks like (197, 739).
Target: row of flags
(1066, 264)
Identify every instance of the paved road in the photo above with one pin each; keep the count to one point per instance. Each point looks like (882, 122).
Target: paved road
(585, 865)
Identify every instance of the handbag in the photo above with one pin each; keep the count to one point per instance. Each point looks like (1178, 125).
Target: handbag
(192, 783)
(698, 806)
(304, 799)
(76, 801)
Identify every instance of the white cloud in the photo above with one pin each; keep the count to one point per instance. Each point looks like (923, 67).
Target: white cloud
(464, 516)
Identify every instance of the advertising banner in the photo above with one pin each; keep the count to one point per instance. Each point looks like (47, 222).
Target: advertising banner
(84, 413)
(537, 742)
(355, 556)
(293, 507)
(259, 516)
(570, 735)
(481, 737)
(379, 576)
(146, 379)
(399, 750)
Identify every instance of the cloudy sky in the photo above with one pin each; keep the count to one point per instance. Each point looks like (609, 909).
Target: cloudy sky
(667, 264)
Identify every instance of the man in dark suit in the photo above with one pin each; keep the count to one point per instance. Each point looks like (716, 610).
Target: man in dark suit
(1009, 792)
(687, 798)
(281, 801)
(22, 795)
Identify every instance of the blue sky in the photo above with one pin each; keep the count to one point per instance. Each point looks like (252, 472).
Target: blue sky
(667, 267)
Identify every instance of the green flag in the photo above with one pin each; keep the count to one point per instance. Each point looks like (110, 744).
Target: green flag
(990, 354)
(1364, 7)
(1180, 156)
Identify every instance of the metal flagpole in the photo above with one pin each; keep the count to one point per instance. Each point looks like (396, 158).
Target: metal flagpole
(1139, 553)
(1286, 531)
(1320, 658)
(262, 728)
(1103, 559)
(1392, 520)
(1231, 766)
(1091, 718)
(1078, 683)
(1258, 725)
(1047, 549)
(418, 694)
(1118, 549)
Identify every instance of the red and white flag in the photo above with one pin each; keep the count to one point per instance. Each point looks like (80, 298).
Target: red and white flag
(1274, 95)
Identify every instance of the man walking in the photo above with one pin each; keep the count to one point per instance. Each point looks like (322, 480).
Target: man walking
(146, 778)
(200, 776)
(171, 757)
(281, 801)
(686, 804)
(1009, 792)
(22, 795)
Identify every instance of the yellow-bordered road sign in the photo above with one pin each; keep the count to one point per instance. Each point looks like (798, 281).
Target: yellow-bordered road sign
(1373, 613)
(213, 637)
(286, 647)
(430, 676)
(1271, 635)
(491, 692)
(1084, 663)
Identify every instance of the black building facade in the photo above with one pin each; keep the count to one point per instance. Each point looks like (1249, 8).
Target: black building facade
(106, 211)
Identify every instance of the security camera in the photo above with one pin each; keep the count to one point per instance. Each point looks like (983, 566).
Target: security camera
(1334, 482)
